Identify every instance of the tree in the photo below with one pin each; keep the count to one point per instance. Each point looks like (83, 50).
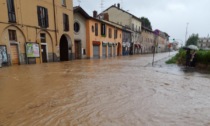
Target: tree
(146, 23)
(192, 40)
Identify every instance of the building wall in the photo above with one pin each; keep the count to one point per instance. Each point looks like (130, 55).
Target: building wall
(81, 35)
(120, 17)
(91, 37)
(204, 43)
(148, 41)
(28, 30)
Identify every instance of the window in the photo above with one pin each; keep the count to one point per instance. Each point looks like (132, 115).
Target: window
(12, 35)
(65, 22)
(11, 11)
(43, 37)
(42, 17)
(96, 29)
(133, 27)
(103, 29)
(76, 27)
(110, 33)
(115, 33)
(63, 2)
(92, 28)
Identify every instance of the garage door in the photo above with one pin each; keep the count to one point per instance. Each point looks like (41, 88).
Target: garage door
(110, 51)
(114, 53)
(95, 52)
(104, 51)
(14, 54)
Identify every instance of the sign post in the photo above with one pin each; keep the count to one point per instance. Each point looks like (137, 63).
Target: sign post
(156, 33)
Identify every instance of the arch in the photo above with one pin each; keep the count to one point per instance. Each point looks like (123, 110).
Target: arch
(16, 48)
(24, 37)
(47, 48)
(64, 48)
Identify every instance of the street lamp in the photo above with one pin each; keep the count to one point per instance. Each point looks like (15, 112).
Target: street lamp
(186, 33)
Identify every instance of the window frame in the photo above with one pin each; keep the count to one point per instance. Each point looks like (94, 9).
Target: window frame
(65, 22)
(115, 33)
(11, 11)
(103, 29)
(110, 33)
(12, 35)
(96, 29)
(42, 14)
(63, 2)
(76, 22)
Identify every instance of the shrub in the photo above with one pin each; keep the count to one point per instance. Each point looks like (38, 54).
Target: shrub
(202, 57)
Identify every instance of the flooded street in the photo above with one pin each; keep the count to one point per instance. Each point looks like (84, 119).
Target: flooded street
(121, 91)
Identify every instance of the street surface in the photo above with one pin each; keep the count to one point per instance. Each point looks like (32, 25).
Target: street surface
(120, 91)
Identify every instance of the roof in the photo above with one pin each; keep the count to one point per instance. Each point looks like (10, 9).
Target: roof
(113, 6)
(146, 29)
(78, 9)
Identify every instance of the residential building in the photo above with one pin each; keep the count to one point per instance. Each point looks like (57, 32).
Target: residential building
(204, 43)
(80, 19)
(128, 20)
(162, 41)
(37, 31)
(104, 38)
(148, 40)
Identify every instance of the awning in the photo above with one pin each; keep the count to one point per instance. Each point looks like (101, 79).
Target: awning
(96, 43)
(104, 43)
(110, 43)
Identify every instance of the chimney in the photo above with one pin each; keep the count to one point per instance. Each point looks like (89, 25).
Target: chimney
(106, 16)
(118, 5)
(95, 13)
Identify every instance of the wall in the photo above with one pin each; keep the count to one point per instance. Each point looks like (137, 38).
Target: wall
(27, 28)
(81, 35)
(91, 37)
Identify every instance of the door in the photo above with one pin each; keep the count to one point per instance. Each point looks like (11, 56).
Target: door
(77, 50)
(44, 53)
(104, 51)
(14, 54)
(96, 52)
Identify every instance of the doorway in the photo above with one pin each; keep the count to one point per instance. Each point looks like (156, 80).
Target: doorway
(78, 50)
(64, 55)
(44, 53)
(14, 54)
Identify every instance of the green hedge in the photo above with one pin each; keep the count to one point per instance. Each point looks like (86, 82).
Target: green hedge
(202, 57)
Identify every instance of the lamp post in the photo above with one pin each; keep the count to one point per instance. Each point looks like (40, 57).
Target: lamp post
(186, 33)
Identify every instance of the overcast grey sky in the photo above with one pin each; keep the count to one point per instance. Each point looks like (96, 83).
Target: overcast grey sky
(170, 16)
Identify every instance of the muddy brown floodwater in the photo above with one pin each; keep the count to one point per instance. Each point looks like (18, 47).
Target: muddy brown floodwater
(121, 91)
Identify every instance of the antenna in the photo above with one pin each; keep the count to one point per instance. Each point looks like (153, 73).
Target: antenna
(121, 3)
(102, 5)
(79, 1)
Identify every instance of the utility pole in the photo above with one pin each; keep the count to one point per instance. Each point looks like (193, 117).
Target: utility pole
(186, 33)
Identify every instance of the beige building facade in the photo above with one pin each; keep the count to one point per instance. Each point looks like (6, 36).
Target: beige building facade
(36, 31)
(124, 18)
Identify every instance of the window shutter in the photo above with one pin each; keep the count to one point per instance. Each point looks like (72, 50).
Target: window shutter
(47, 21)
(39, 15)
(67, 22)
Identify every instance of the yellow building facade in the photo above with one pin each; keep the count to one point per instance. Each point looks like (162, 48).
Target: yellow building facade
(104, 39)
(36, 31)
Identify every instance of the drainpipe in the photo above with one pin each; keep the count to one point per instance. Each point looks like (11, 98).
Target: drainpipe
(55, 26)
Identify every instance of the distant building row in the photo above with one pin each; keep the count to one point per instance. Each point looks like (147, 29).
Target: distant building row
(50, 31)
